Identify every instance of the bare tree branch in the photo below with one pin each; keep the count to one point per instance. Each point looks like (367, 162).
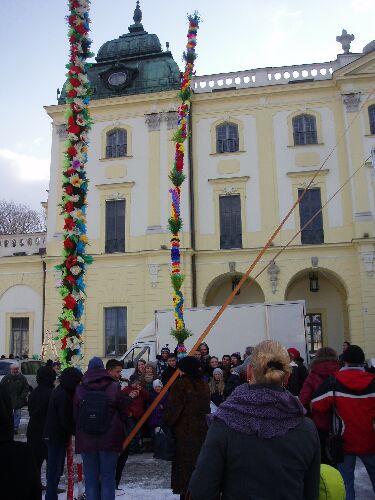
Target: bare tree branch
(16, 218)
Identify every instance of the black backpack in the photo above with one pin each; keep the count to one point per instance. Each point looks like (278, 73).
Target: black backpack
(94, 414)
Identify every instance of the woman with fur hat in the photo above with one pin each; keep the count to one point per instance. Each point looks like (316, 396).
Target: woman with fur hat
(188, 405)
(149, 376)
(259, 444)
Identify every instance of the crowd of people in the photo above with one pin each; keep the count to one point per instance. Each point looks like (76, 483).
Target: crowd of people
(235, 422)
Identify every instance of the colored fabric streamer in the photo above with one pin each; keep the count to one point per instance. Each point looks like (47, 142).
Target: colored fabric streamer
(70, 470)
(177, 177)
(74, 186)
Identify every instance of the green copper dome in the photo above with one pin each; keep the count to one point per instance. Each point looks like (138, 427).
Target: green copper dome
(133, 63)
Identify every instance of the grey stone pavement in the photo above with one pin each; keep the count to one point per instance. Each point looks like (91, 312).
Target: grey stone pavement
(145, 477)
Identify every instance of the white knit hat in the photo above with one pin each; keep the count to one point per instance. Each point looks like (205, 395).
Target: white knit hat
(157, 383)
(218, 370)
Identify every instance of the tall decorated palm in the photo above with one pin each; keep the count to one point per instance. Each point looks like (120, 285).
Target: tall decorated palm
(177, 177)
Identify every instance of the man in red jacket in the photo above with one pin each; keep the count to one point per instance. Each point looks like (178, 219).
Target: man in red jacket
(355, 406)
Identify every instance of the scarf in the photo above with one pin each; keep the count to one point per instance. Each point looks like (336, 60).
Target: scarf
(265, 410)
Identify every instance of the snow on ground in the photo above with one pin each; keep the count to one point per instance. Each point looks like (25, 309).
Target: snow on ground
(141, 494)
(144, 477)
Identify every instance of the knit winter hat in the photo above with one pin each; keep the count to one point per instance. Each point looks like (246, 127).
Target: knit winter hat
(353, 355)
(295, 352)
(152, 365)
(218, 370)
(95, 363)
(157, 383)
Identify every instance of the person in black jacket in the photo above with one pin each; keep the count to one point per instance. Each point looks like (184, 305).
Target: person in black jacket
(299, 372)
(38, 408)
(19, 478)
(171, 368)
(59, 427)
(259, 443)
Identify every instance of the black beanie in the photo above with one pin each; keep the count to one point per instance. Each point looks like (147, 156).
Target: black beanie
(353, 355)
(191, 366)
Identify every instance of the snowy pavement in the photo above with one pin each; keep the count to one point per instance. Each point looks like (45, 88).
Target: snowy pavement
(147, 478)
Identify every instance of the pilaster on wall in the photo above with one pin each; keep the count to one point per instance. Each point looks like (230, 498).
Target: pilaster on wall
(363, 216)
(366, 257)
(153, 121)
(159, 149)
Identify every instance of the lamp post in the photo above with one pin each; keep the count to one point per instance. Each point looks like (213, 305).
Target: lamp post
(314, 282)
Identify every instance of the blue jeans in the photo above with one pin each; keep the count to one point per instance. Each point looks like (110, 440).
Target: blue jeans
(347, 471)
(100, 470)
(16, 418)
(55, 467)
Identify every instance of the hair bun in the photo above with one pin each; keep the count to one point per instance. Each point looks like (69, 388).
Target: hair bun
(274, 365)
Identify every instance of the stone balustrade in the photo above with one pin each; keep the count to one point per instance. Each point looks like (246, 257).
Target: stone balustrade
(22, 244)
(270, 76)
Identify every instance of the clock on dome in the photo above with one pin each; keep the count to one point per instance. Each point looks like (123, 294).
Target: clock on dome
(118, 78)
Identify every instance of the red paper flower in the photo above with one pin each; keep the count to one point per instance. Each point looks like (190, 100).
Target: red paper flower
(71, 261)
(75, 70)
(68, 244)
(75, 82)
(81, 29)
(70, 302)
(65, 323)
(74, 129)
(72, 151)
(69, 189)
(71, 280)
(69, 207)
(63, 342)
(69, 224)
(72, 93)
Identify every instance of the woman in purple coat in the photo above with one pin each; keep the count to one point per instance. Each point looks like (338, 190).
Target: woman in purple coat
(99, 410)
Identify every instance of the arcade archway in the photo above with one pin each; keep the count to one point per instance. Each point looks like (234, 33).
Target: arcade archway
(327, 318)
(220, 288)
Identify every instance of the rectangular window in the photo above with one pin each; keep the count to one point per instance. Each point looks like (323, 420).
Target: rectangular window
(115, 226)
(19, 336)
(314, 331)
(115, 326)
(310, 204)
(230, 221)
(371, 115)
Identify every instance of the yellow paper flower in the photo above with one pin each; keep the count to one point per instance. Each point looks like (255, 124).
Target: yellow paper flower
(76, 181)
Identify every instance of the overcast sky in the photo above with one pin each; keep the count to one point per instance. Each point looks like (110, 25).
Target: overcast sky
(233, 36)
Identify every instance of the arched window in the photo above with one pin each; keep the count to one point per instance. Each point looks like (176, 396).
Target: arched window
(371, 117)
(227, 138)
(304, 130)
(116, 143)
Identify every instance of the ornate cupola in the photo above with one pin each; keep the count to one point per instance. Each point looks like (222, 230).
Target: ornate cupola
(133, 63)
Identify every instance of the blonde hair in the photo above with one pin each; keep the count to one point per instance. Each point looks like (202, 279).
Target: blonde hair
(270, 362)
(216, 386)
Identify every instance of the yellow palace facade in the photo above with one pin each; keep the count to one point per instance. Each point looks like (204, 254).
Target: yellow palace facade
(257, 138)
